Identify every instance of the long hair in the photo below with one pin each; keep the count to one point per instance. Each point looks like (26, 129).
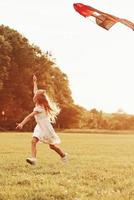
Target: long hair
(49, 105)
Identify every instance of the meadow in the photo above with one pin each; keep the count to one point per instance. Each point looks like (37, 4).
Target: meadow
(100, 167)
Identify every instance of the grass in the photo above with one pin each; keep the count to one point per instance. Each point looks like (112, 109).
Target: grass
(101, 167)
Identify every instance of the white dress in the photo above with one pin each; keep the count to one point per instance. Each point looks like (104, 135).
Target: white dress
(44, 130)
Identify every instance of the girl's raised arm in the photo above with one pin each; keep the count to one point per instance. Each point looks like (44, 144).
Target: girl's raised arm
(35, 88)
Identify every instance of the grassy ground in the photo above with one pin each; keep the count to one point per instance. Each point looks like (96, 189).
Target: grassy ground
(101, 167)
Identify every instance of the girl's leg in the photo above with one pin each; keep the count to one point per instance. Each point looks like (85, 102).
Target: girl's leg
(57, 149)
(33, 146)
(32, 159)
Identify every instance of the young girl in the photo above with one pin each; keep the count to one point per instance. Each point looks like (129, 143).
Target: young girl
(44, 114)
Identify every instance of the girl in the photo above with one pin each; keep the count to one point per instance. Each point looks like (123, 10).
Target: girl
(44, 113)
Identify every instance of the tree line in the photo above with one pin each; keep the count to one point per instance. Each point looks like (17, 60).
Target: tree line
(19, 60)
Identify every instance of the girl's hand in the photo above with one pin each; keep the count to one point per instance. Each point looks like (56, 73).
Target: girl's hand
(34, 78)
(19, 126)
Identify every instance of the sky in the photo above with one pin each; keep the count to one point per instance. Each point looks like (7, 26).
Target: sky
(99, 63)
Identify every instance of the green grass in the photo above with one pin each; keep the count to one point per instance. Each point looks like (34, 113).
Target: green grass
(101, 167)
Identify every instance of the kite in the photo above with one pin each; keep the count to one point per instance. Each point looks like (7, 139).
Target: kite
(102, 19)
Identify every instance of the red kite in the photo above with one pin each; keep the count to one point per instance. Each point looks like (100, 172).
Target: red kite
(102, 19)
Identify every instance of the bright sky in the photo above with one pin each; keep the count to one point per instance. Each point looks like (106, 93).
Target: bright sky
(99, 63)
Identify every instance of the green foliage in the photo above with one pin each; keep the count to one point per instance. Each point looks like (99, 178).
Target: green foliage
(94, 119)
(19, 60)
(70, 117)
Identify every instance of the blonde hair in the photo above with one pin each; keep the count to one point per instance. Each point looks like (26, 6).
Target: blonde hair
(50, 106)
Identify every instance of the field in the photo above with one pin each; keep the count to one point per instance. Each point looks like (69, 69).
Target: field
(101, 167)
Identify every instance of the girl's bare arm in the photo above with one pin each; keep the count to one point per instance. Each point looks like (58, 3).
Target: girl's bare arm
(26, 119)
(35, 88)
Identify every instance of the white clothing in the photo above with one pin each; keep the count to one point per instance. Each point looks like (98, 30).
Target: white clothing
(44, 130)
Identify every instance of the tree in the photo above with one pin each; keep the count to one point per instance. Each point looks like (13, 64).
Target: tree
(70, 117)
(18, 61)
